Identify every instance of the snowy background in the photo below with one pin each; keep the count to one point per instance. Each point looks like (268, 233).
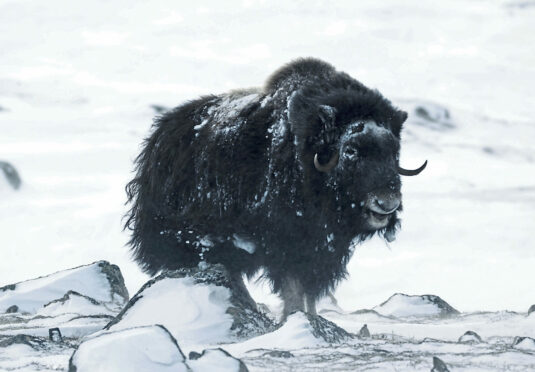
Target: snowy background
(77, 82)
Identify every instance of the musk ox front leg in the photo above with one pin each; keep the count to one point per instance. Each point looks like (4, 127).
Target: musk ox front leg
(311, 304)
(293, 296)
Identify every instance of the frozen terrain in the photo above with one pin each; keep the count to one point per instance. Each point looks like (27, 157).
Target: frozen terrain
(79, 87)
(201, 320)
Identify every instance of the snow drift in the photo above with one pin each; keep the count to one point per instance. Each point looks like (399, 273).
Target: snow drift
(197, 305)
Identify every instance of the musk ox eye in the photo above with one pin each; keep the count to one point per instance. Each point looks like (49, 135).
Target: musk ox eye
(351, 151)
(359, 128)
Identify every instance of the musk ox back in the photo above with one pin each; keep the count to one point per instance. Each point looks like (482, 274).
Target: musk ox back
(286, 178)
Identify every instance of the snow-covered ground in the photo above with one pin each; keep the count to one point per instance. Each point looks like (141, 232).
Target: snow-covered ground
(202, 314)
(77, 84)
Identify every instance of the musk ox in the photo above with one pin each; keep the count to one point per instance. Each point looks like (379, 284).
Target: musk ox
(286, 178)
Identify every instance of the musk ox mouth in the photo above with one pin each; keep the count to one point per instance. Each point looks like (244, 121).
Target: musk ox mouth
(378, 220)
(379, 210)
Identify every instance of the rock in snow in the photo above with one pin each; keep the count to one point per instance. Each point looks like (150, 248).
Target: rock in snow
(148, 348)
(100, 281)
(138, 349)
(524, 343)
(35, 343)
(299, 331)
(197, 305)
(78, 301)
(364, 332)
(11, 174)
(216, 360)
(75, 303)
(531, 309)
(327, 330)
(430, 115)
(470, 337)
(439, 365)
(404, 306)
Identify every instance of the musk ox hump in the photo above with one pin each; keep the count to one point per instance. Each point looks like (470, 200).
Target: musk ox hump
(298, 72)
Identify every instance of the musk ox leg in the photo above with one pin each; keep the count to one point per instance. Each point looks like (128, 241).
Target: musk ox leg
(311, 305)
(293, 296)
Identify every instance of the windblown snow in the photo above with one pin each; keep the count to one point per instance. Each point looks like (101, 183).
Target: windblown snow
(78, 87)
(197, 318)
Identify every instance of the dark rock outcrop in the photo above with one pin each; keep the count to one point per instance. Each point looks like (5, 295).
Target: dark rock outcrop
(327, 330)
(36, 343)
(470, 337)
(279, 354)
(439, 365)
(11, 174)
(12, 309)
(210, 359)
(401, 305)
(364, 332)
(525, 343)
(115, 279)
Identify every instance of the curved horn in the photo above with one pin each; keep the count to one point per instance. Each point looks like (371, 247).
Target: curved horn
(411, 172)
(326, 167)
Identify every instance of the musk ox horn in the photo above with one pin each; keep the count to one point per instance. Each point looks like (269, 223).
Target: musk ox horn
(412, 172)
(326, 167)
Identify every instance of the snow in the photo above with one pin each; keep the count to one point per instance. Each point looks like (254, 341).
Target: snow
(33, 294)
(194, 314)
(20, 357)
(504, 325)
(296, 333)
(73, 145)
(75, 304)
(138, 349)
(470, 337)
(400, 305)
(216, 361)
(244, 244)
(527, 343)
(76, 87)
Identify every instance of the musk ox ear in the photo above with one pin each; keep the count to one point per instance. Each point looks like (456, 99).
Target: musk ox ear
(397, 123)
(402, 116)
(327, 115)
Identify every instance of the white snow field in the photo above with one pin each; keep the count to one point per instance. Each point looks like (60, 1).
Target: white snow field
(78, 85)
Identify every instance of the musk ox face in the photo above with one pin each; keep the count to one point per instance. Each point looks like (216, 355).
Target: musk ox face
(366, 172)
(356, 157)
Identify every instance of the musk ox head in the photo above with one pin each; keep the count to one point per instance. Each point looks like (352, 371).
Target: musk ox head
(349, 143)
